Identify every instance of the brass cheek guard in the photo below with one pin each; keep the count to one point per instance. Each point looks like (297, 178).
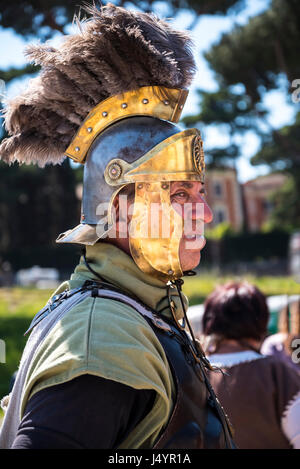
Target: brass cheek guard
(155, 231)
(154, 101)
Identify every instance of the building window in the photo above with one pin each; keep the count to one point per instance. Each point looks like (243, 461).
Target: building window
(268, 206)
(218, 189)
(220, 216)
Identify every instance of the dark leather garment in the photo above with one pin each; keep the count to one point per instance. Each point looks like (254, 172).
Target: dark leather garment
(198, 420)
(194, 423)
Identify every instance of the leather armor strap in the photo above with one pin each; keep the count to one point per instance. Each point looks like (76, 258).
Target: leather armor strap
(168, 327)
(171, 337)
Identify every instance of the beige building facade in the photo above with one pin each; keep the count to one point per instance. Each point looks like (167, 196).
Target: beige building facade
(224, 196)
(256, 195)
(241, 205)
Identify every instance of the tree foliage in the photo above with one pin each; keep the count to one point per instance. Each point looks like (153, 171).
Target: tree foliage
(281, 148)
(225, 107)
(36, 205)
(12, 73)
(286, 212)
(281, 151)
(257, 53)
(42, 18)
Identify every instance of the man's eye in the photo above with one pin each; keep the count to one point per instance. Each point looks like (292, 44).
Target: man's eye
(180, 194)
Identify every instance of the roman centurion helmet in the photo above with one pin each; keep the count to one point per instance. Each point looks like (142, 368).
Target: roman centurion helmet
(110, 98)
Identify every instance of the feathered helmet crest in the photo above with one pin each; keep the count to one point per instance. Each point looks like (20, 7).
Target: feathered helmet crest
(114, 51)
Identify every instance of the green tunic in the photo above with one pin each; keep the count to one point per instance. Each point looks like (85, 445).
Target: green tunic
(107, 338)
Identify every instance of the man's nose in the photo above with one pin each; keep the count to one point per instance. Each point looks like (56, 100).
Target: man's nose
(200, 209)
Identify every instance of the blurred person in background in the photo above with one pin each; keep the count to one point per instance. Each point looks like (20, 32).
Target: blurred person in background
(260, 394)
(285, 344)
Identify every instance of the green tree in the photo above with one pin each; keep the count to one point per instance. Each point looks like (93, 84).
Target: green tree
(35, 206)
(257, 53)
(42, 18)
(226, 108)
(286, 212)
(281, 151)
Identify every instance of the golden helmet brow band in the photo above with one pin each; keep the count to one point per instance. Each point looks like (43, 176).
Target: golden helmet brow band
(145, 101)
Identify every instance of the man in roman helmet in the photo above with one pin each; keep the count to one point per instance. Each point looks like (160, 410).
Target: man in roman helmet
(111, 361)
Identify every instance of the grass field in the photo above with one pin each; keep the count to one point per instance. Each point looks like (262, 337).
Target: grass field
(19, 305)
(198, 287)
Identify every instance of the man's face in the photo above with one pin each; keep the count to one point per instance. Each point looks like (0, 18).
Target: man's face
(188, 200)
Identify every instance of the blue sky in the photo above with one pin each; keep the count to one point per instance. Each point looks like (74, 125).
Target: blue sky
(206, 32)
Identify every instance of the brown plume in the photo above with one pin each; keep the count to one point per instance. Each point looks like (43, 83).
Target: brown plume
(115, 50)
